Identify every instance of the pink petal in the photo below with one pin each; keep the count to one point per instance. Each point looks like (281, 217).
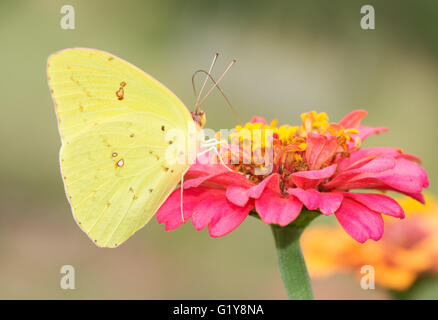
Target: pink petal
(309, 197)
(273, 208)
(359, 222)
(320, 149)
(365, 131)
(417, 196)
(199, 169)
(378, 202)
(329, 202)
(230, 220)
(209, 209)
(361, 157)
(196, 182)
(272, 182)
(406, 177)
(258, 119)
(411, 157)
(353, 119)
(240, 195)
(327, 172)
(170, 211)
(218, 213)
(344, 179)
(237, 195)
(218, 179)
(310, 179)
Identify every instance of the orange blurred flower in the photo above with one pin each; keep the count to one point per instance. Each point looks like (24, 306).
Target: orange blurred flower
(407, 249)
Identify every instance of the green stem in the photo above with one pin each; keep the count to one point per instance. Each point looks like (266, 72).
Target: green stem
(292, 265)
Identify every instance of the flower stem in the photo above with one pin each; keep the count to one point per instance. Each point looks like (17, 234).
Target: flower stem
(292, 265)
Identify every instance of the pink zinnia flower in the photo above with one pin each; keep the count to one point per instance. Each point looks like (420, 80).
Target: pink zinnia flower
(315, 166)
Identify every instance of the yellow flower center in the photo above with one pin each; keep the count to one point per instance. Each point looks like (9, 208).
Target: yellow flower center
(287, 143)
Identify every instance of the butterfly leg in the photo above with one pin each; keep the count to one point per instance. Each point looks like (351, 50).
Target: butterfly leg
(210, 145)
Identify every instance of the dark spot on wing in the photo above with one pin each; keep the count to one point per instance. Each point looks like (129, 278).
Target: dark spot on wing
(155, 155)
(120, 163)
(120, 94)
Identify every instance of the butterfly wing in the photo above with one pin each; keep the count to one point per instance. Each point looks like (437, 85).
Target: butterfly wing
(113, 120)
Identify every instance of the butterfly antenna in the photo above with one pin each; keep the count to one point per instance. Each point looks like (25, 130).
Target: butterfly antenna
(198, 105)
(209, 76)
(198, 96)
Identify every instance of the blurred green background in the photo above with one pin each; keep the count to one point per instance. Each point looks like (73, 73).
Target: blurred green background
(293, 57)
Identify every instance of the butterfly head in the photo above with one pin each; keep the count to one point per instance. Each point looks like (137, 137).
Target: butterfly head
(199, 118)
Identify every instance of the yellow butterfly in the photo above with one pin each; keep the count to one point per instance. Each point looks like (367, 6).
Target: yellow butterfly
(113, 119)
